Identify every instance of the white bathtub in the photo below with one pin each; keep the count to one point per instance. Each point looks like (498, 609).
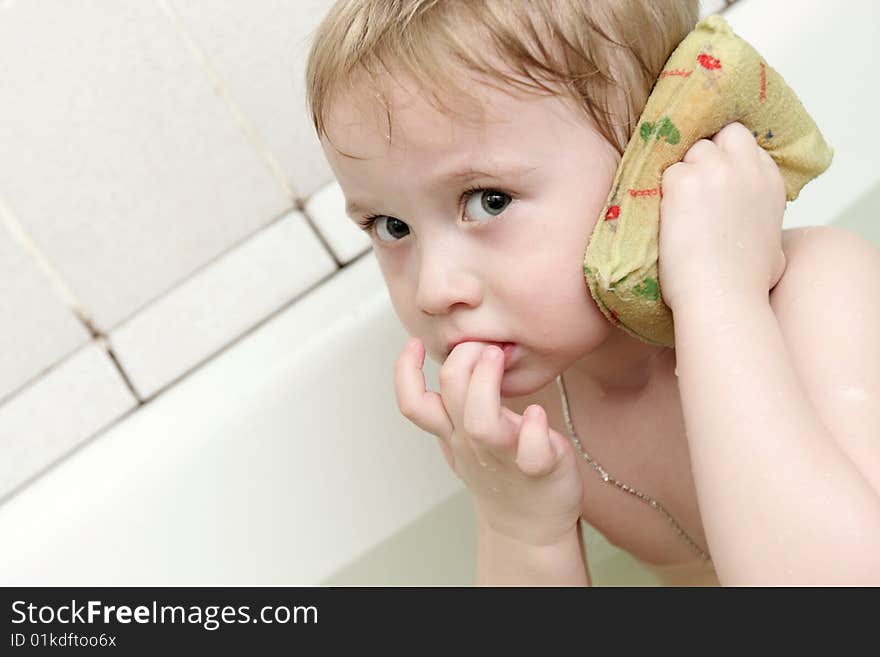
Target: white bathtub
(284, 459)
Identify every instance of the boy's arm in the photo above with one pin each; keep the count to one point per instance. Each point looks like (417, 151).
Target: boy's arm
(502, 561)
(782, 504)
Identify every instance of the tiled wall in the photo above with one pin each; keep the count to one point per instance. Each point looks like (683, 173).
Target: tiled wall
(161, 194)
(158, 169)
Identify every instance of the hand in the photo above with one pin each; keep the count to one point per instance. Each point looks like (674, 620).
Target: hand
(523, 474)
(721, 220)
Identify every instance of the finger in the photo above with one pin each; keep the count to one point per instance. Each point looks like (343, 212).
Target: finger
(418, 404)
(535, 454)
(447, 452)
(483, 456)
(736, 139)
(483, 420)
(455, 376)
(700, 150)
(766, 158)
(781, 264)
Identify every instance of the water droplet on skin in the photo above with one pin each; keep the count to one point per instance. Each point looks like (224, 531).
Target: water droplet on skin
(486, 465)
(852, 393)
(495, 490)
(740, 245)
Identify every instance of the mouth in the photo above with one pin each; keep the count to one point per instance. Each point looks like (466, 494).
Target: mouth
(510, 349)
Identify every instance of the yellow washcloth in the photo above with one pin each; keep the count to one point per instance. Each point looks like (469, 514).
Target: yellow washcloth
(712, 79)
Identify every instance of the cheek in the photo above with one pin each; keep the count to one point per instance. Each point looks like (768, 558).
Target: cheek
(401, 297)
(559, 306)
(404, 308)
(413, 321)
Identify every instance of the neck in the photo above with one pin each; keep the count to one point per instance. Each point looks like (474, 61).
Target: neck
(622, 368)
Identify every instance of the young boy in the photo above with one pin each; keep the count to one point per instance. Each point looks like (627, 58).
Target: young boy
(477, 142)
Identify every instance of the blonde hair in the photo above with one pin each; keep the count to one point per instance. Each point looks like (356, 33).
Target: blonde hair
(604, 54)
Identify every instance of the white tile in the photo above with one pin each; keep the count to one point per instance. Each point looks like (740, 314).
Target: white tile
(327, 210)
(259, 49)
(43, 422)
(119, 158)
(36, 328)
(819, 55)
(708, 7)
(217, 305)
(278, 462)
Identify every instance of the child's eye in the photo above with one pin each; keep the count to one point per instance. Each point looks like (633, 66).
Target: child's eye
(491, 201)
(382, 223)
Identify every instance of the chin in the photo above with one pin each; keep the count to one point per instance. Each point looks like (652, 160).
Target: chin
(519, 383)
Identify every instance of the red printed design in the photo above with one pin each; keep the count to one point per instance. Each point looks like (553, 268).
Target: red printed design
(677, 72)
(707, 61)
(644, 192)
(763, 82)
(613, 213)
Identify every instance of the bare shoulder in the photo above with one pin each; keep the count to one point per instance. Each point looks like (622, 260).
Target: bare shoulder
(827, 305)
(820, 239)
(824, 262)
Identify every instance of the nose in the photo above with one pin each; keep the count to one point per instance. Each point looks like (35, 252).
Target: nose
(444, 281)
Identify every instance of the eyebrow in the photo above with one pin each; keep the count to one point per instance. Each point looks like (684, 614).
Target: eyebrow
(457, 176)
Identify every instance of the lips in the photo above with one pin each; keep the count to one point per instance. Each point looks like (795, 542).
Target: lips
(507, 347)
(454, 343)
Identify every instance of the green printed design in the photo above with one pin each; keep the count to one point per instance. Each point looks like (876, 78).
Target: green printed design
(648, 289)
(664, 128)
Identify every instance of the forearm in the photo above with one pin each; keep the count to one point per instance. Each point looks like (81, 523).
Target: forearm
(502, 561)
(781, 502)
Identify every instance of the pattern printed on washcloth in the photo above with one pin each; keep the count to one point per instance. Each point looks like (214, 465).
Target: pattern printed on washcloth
(712, 79)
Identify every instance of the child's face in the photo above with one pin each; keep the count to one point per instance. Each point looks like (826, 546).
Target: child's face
(506, 264)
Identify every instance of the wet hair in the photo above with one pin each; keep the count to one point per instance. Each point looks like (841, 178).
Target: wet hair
(606, 55)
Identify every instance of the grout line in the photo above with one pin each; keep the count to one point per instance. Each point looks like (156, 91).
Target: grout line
(61, 458)
(34, 476)
(220, 89)
(210, 262)
(102, 338)
(30, 247)
(68, 298)
(204, 265)
(249, 131)
(301, 206)
(4, 497)
(253, 328)
(105, 343)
